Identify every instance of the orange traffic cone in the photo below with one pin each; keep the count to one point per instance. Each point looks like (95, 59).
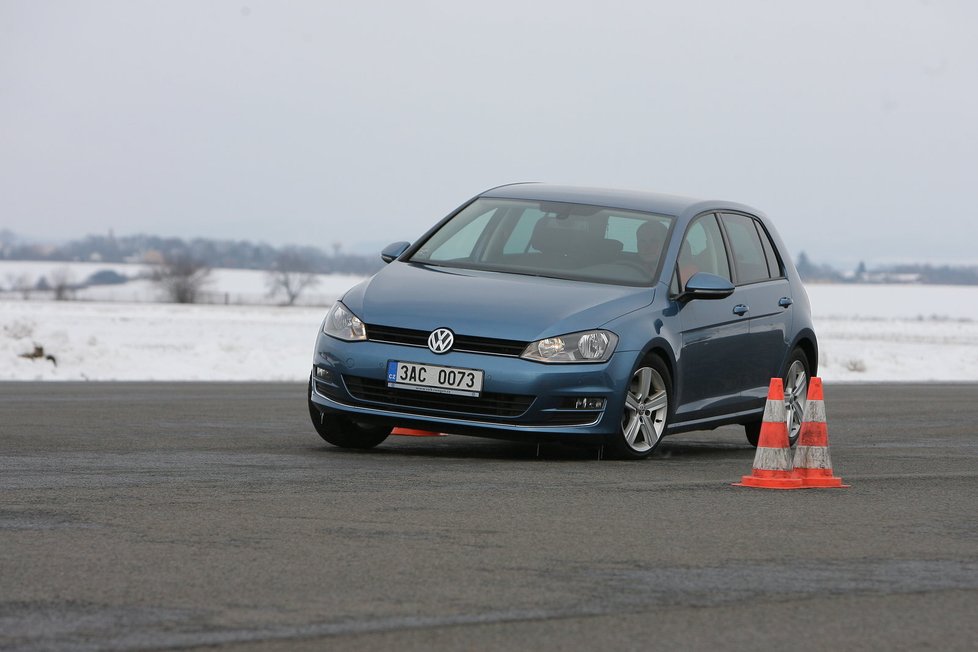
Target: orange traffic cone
(813, 465)
(772, 462)
(410, 432)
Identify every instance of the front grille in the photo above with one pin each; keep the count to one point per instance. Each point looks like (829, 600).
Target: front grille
(463, 343)
(488, 404)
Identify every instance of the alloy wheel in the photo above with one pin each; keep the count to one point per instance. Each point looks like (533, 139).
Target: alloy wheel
(646, 409)
(795, 397)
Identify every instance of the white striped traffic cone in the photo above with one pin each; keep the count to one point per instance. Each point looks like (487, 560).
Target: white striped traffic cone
(813, 465)
(772, 462)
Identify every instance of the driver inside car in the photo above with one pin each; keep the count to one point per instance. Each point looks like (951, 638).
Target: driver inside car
(651, 239)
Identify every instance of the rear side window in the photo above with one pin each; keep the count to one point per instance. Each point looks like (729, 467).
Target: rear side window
(747, 250)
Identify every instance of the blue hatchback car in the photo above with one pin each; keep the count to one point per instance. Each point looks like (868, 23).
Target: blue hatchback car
(550, 312)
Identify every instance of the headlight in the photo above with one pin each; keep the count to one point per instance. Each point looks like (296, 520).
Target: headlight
(343, 324)
(586, 346)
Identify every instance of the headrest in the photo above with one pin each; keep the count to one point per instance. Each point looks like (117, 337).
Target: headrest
(553, 236)
(652, 230)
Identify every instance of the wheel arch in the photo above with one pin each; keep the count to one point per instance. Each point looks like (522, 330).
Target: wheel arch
(661, 349)
(805, 341)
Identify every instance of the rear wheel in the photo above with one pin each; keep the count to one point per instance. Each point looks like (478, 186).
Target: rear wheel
(340, 430)
(795, 397)
(646, 411)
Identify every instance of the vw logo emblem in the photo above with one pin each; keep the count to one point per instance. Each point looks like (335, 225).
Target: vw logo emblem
(441, 340)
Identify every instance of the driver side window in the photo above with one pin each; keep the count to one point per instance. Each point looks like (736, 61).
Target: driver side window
(702, 251)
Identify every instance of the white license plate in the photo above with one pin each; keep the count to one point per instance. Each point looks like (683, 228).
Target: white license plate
(432, 378)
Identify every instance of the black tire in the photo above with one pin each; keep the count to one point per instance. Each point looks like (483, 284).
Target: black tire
(796, 377)
(342, 431)
(753, 432)
(646, 412)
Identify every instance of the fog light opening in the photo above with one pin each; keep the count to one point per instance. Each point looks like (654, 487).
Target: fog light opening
(589, 403)
(325, 375)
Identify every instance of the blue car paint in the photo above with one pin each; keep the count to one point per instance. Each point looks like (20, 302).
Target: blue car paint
(536, 308)
(688, 336)
(502, 375)
(488, 303)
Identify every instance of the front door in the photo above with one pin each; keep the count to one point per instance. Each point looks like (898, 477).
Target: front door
(712, 364)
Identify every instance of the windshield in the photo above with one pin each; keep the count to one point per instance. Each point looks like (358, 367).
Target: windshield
(560, 240)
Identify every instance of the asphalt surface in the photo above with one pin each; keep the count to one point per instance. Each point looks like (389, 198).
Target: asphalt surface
(160, 516)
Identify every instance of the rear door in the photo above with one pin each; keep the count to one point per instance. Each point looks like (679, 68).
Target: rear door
(763, 288)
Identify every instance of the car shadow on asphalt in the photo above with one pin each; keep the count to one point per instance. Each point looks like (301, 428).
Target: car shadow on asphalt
(700, 445)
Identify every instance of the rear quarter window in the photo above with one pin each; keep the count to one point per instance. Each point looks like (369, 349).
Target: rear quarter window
(773, 261)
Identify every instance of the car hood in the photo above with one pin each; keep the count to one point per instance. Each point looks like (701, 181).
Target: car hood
(489, 304)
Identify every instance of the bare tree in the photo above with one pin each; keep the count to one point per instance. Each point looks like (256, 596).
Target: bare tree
(292, 275)
(63, 284)
(182, 278)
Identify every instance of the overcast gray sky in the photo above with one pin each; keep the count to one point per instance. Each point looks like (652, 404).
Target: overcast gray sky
(853, 124)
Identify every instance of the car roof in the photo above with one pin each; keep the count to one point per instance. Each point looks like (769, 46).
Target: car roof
(615, 198)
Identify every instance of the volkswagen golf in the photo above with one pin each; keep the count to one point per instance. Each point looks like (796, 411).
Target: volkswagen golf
(536, 311)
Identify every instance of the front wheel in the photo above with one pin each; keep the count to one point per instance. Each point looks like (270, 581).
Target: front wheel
(646, 411)
(342, 431)
(795, 398)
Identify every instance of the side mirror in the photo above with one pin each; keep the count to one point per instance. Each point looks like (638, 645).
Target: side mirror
(393, 251)
(706, 286)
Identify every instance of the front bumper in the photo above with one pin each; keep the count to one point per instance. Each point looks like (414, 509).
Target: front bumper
(520, 399)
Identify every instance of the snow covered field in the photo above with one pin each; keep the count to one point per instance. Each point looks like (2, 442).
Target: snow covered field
(866, 332)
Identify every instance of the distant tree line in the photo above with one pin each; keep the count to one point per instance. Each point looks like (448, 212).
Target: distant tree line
(182, 268)
(291, 268)
(232, 254)
(814, 273)
(942, 275)
(811, 272)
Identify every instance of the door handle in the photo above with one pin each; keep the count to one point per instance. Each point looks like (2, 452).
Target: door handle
(740, 309)
(784, 302)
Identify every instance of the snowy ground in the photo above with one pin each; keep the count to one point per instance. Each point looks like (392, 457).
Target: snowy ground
(901, 333)
(866, 333)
